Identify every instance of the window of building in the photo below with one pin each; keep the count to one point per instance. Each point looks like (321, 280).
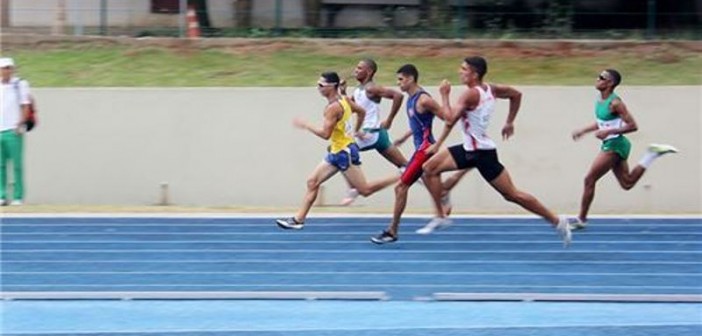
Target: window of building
(165, 6)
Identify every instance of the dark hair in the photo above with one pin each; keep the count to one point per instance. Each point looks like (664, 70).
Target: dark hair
(331, 77)
(478, 64)
(371, 64)
(409, 70)
(616, 76)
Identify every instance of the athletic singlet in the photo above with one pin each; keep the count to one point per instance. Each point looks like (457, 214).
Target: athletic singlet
(372, 119)
(476, 122)
(420, 123)
(340, 137)
(605, 118)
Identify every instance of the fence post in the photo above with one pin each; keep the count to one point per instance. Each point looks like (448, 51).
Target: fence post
(461, 23)
(651, 19)
(78, 25)
(60, 24)
(103, 17)
(278, 16)
(183, 7)
(5, 15)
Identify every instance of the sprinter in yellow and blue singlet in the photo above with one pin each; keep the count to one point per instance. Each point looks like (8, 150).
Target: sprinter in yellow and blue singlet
(342, 152)
(342, 148)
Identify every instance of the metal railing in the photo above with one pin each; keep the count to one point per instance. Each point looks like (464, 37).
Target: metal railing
(560, 19)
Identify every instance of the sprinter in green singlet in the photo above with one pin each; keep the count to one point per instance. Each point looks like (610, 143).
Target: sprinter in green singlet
(613, 120)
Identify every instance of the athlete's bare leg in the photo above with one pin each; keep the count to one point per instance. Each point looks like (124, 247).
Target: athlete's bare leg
(604, 162)
(354, 176)
(319, 175)
(627, 179)
(394, 155)
(503, 184)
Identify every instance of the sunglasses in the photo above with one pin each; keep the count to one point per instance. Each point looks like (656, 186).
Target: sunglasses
(321, 85)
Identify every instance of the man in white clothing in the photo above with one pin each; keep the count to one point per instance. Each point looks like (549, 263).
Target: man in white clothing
(14, 113)
(474, 108)
(368, 95)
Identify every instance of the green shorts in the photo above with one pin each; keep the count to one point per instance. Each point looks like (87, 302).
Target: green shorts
(381, 144)
(619, 145)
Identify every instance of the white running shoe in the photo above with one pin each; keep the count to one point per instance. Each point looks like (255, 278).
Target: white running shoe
(16, 202)
(661, 149)
(576, 224)
(446, 205)
(563, 229)
(351, 196)
(289, 224)
(434, 224)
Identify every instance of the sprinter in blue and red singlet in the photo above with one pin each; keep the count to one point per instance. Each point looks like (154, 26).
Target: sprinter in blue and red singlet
(421, 110)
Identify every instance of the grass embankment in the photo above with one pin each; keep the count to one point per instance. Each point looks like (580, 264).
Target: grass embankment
(298, 64)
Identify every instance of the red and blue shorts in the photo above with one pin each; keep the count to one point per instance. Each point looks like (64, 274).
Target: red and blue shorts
(414, 169)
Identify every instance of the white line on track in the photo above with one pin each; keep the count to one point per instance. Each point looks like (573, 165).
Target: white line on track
(567, 274)
(389, 251)
(363, 261)
(384, 215)
(427, 328)
(44, 242)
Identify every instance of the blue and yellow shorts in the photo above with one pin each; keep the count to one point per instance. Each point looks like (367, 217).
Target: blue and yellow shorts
(345, 158)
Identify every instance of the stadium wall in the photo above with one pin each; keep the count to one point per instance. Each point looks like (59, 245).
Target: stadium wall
(237, 147)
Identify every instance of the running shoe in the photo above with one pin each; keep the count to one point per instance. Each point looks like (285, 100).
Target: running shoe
(351, 196)
(446, 205)
(384, 238)
(661, 149)
(289, 224)
(563, 229)
(434, 224)
(576, 224)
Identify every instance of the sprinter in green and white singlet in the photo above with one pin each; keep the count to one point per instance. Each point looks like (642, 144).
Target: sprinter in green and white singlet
(613, 120)
(607, 120)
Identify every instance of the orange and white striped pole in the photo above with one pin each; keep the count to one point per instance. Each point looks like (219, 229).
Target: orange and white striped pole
(193, 25)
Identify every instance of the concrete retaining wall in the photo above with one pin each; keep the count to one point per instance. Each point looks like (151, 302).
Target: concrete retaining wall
(237, 146)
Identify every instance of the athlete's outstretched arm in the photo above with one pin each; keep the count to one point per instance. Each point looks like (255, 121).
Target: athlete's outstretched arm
(387, 93)
(515, 102)
(619, 108)
(332, 115)
(342, 89)
(399, 141)
(468, 100)
(427, 103)
(360, 115)
(577, 134)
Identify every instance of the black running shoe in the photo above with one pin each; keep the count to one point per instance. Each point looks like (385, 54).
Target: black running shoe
(384, 238)
(289, 224)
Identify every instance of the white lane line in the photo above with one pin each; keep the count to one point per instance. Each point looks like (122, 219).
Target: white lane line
(430, 242)
(419, 327)
(327, 251)
(268, 215)
(341, 233)
(359, 261)
(354, 285)
(555, 274)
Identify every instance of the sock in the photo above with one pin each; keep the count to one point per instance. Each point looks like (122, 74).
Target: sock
(648, 159)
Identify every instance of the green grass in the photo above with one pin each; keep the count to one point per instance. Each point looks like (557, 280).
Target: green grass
(125, 66)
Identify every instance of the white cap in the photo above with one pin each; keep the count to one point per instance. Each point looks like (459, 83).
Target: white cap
(6, 62)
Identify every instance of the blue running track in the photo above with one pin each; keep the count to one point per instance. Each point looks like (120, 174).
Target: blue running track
(476, 259)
